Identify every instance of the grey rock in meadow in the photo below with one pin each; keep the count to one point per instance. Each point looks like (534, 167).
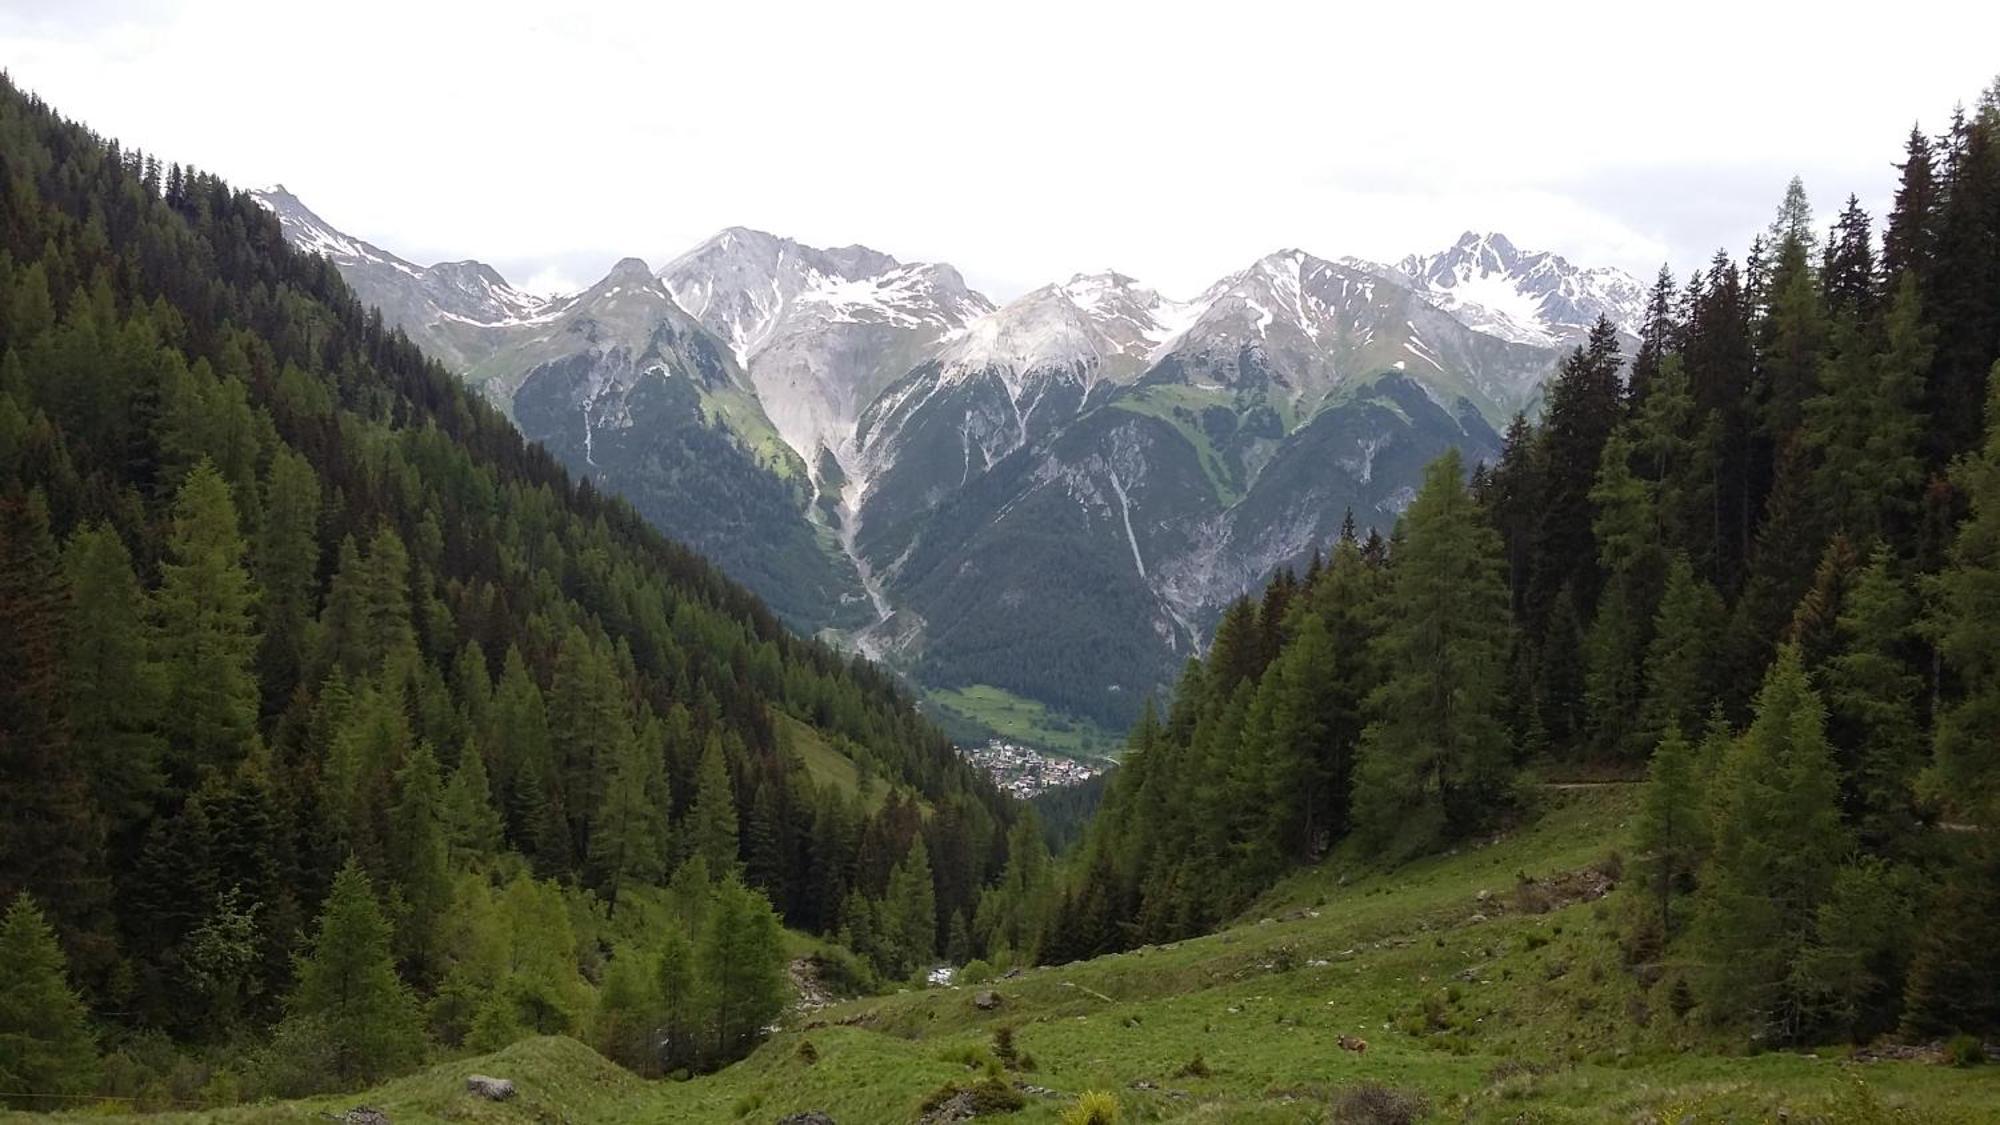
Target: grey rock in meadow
(492, 1089)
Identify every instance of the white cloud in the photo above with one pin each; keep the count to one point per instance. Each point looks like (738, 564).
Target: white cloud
(1021, 141)
(550, 281)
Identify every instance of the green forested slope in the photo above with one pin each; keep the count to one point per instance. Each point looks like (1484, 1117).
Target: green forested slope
(338, 726)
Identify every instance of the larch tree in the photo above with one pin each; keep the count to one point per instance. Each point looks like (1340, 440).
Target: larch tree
(205, 631)
(742, 965)
(1435, 758)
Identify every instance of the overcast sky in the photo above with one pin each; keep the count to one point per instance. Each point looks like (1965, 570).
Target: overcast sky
(1021, 141)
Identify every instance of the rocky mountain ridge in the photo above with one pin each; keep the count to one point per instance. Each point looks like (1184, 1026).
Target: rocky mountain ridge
(1054, 496)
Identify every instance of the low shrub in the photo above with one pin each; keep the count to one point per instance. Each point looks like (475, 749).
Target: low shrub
(1094, 1108)
(1375, 1104)
(1964, 1050)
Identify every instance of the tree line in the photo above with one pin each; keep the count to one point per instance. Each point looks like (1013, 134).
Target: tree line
(337, 725)
(1758, 558)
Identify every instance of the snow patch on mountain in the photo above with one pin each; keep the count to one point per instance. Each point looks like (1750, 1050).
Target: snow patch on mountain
(1528, 297)
(821, 332)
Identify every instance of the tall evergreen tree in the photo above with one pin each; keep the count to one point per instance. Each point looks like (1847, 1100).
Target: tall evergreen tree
(1672, 831)
(1910, 238)
(742, 962)
(909, 913)
(46, 1044)
(1777, 843)
(420, 860)
(1864, 424)
(472, 825)
(1434, 759)
(348, 986)
(52, 836)
(1657, 338)
(628, 843)
(207, 639)
(287, 568)
(711, 821)
(1872, 694)
(590, 728)
(114, 691)
(1966, 773)
(1585, 402)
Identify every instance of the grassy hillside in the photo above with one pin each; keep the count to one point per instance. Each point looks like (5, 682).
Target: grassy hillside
(1511, 1007)
(980, 711)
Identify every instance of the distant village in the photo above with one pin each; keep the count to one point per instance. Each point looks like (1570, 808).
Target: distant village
(1025, 771)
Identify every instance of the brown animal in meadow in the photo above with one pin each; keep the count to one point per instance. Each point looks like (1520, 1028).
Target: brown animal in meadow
(1353, 1043)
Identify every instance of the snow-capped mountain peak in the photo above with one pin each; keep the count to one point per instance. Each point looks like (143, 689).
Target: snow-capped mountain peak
(463, 293)
(820, 331)
(1096, 326)
(751, 287)
(1529, 297)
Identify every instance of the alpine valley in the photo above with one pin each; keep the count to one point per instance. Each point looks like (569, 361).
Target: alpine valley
(894, 461)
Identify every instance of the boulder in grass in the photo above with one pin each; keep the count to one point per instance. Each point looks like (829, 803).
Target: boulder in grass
(986, 1001)
(814, 1117)
(492, 1089)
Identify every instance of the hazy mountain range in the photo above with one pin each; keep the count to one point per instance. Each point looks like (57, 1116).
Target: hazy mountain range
(1054, 496)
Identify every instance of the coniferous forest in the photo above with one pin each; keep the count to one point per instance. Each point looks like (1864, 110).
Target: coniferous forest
(339, 727)
(1757, 561)
(341, 731)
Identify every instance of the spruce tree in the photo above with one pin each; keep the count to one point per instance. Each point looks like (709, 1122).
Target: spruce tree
(348, 986)
(628, 842)
(46, 1043)
(682, 1000)
(1777, 843)
(711, 828)
(1671, 833)
(52, 836)
(420, 862)
(524, 764)
(1954, 981)
(1864, 426)
(207, 641)
(1585, 401)
(1966, 596)
(909, 913)
(590, 727)
(115, 700)
(472, 825)
(1657, 337)
(1434, 760)
(1952, 985)
(1873, 695)
(1680, 660)
(287, 566)
(1910, 237)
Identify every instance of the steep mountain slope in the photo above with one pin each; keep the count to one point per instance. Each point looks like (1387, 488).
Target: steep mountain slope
(1288, 394)
(449, 309)
(1010, 378)
(630, 391)
(294, 625)
(820, 332)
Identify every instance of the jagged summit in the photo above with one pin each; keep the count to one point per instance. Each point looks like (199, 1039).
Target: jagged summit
(1531, 297)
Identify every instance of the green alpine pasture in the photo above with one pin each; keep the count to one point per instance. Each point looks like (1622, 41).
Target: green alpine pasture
(1486, 983)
